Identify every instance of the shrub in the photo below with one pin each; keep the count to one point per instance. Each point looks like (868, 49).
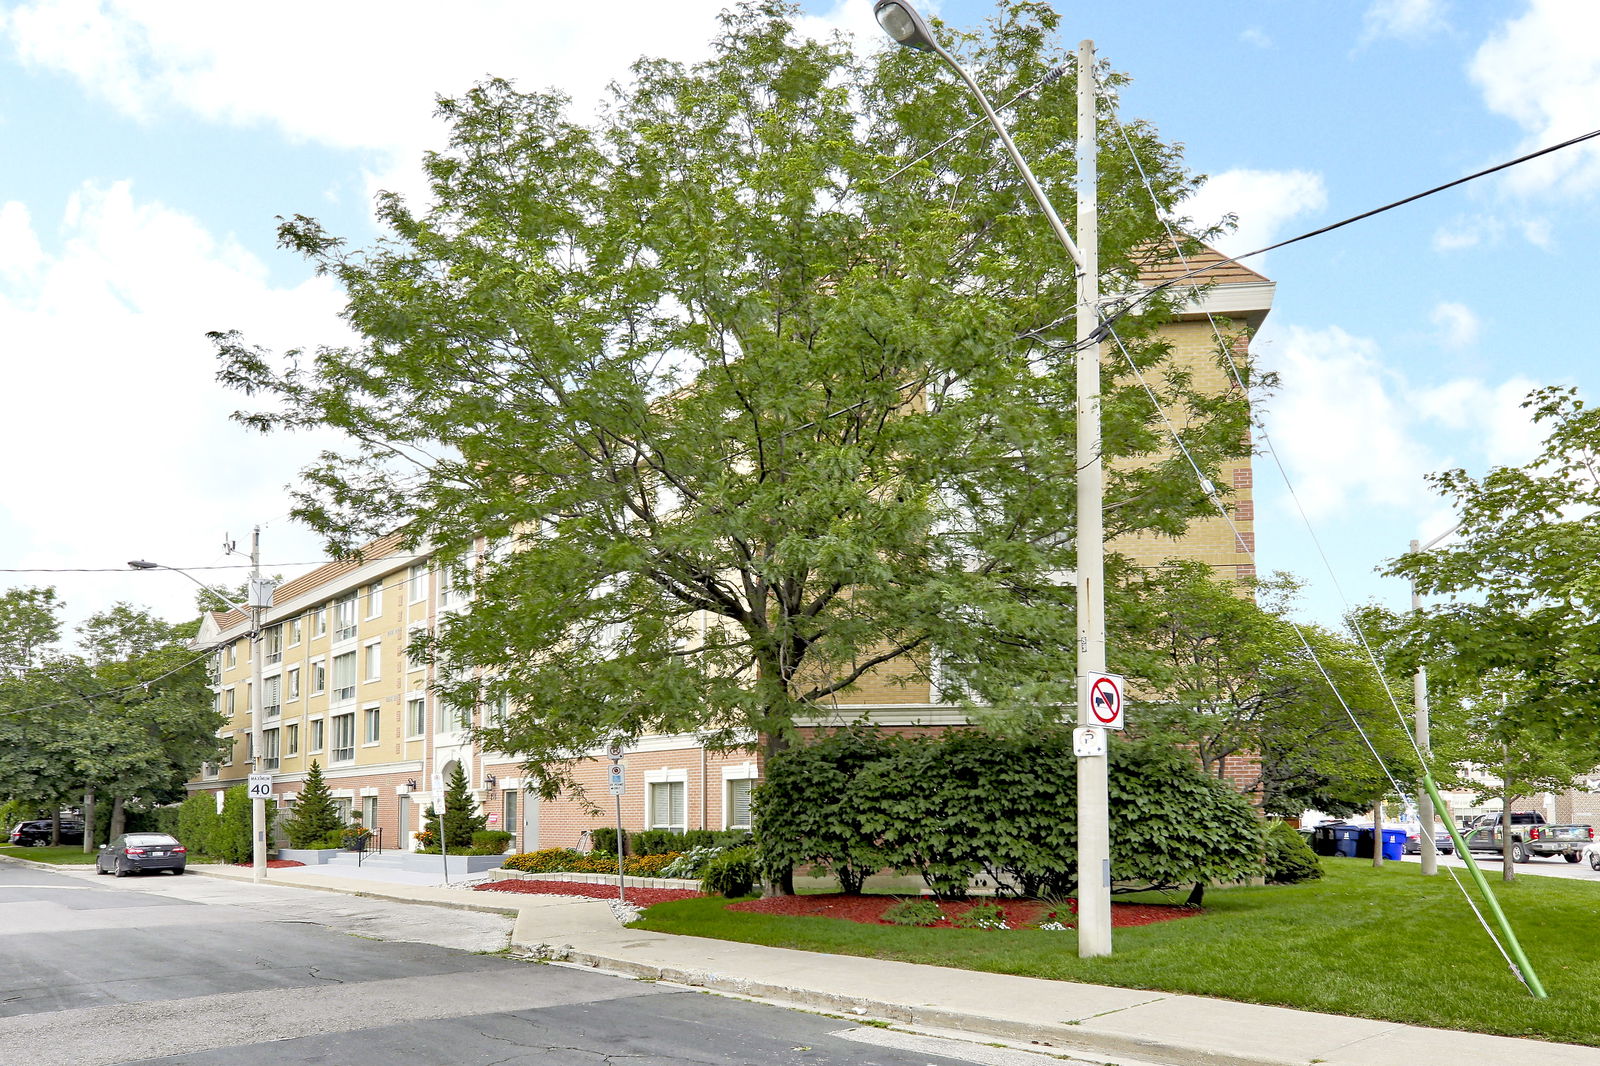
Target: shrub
(604, 840)
(913, 912)
(197, 819)
(230, 839)
(692, 863)
(981, 916)
(967, 803)
(1289, 858)
(732, 873)
(568, 860)
(490, 841)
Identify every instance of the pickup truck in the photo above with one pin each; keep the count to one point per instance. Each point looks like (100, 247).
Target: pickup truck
(1530, 836)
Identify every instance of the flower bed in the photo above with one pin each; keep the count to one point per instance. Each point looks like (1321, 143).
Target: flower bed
(275, 864)
(639, 897)
(565, 860)
(1018, 914)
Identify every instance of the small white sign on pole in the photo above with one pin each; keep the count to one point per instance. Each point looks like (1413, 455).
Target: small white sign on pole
(618, 788)
(1105, 701)
(260, 786)
(1088, 741)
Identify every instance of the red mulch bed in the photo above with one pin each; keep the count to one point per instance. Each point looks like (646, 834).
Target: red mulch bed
(1019, 914)
(639, 897)
(275, 864)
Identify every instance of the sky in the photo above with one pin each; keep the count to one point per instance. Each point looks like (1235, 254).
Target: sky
(147, 151)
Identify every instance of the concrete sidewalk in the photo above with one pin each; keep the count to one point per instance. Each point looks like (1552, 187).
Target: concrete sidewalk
(1055, 1016)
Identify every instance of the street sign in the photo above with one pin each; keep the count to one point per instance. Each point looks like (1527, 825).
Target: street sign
(617, 786)
(437, 781)
(1088, 740)
(614, 748)
(1105, 700)
(260, 786)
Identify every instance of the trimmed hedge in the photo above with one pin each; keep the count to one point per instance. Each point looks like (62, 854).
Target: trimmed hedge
(968, 803)
(566, 860)
(1290, 859)
(663, 841)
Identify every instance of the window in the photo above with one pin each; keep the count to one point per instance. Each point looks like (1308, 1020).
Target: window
(291, 740)
(453, 586)
(738, 806)
(344, 617)
(319, 622)
(341, 807)
(233, 655)
(510, 807)
(371, 725)
(668, 803)
(316, 736)
(227, 750)
(272, 696)
(294, 630)
(343, 742)
(369, 811)
(319, 677)
(269, 748)
(344, 677)
(294, 684)
(416, 717)
(375, 599)
(272, 637)
(229, 702)
(495, 712)
(373, 664)
(417, 583)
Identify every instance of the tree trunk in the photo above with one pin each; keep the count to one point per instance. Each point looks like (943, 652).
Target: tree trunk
(1377, 832)
(55, 824)
(88, 821)
(779, 882)
(118, 819)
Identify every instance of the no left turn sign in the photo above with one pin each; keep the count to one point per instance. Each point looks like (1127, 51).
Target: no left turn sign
(1105, 701)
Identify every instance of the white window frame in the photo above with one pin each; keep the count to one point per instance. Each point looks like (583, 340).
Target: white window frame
(319, 621)
(416, 726)
(372, 660)
(233, 655)
(371, 725)
(743, 772)
(296, 626)
(342, 693)
(374, 598)
(319, 676)
(272, 690)
(270, 750)
(291, 740)
(341, 755)
(417, 583)
(272, 645)
(291, 684)
(346, 624)
(227, 750)
(317, 735)
(667, 776)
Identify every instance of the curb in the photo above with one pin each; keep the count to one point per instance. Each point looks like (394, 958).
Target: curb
(1059, 1038)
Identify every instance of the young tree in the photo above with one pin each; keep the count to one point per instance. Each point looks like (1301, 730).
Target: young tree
(743, 418)
(1523, 596)
(1233, 678)
(315, 816)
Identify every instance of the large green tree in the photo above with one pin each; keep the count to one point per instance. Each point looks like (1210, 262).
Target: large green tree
(1225, 670)
(1521, 583)
(745, 414)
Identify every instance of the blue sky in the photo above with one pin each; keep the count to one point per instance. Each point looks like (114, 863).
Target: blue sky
(146, 150)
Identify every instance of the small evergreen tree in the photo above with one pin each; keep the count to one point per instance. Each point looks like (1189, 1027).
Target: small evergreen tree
(315, 816)
(461, 815)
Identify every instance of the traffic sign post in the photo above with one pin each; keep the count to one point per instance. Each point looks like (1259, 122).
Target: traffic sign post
(259, 786)
(618, 787)
(1105, 701)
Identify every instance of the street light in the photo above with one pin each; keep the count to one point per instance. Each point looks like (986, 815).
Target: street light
(260, 599)
(902, 23)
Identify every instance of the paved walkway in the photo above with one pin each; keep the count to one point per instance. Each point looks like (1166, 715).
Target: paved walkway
(1059, 1016)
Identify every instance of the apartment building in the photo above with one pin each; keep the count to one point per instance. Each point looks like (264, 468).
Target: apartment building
(339, 688)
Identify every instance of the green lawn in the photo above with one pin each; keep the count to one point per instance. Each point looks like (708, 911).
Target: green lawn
(66, 855)
(1376, 943)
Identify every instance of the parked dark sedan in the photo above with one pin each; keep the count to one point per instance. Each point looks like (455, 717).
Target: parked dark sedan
(37, 834)
(133, 853)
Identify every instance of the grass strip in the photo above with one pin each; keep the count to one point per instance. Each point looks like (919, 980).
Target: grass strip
(66, 855)
(1372, 943)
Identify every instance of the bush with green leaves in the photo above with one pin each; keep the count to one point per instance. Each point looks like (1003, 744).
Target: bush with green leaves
(230, 839)
(920, 912)
(1289, 859)
(733, 873)
(315, 817)
(692, 863)
(491, 841)
(968, 803)
(197, 820)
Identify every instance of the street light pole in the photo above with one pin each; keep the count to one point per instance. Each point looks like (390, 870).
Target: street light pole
(260, 598)
(1420, 725)
(901, 21)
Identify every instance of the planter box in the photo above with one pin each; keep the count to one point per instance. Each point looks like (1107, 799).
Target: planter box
(309, 856)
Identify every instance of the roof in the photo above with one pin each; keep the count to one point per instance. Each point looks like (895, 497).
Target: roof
(322, 575)
(1165, 265)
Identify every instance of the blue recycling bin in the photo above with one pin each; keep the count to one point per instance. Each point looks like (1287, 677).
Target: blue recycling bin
(1394, 843)
(1346, 840)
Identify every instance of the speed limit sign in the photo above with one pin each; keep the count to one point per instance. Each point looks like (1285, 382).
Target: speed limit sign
(260, 786)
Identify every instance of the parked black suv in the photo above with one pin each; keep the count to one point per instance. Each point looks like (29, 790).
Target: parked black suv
(37, 834)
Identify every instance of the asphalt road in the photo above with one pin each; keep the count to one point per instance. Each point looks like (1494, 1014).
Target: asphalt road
(1539, 867)
(204, 972)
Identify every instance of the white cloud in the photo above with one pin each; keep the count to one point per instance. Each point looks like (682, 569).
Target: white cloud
(1458, 324)
(1473, 231)
(1263, 200)
(1404, 19)
(1254, 35)
(121, 442)
(1542, 70)
(20, 254)
(1490, 416)
(1339, 424)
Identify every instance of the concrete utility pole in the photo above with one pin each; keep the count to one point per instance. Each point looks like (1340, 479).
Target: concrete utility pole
(901, 21)
(260, 598)
(1094, 835)
(1420, 724)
